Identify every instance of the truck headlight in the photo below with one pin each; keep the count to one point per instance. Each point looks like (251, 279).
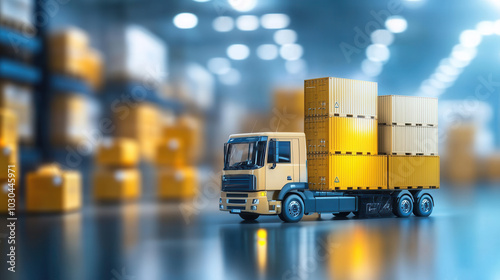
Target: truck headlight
(221, 206)
(255, 201)
(253, 207)
(220, 200)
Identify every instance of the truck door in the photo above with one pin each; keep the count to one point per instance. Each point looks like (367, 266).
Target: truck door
(285, 170)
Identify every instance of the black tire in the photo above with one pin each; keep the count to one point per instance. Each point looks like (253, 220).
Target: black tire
(292, 209)
(249, 216)
(423, 206)
(341, 214)
(403, 206)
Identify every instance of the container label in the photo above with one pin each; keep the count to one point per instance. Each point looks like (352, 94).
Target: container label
(337, 180)
(337, 105)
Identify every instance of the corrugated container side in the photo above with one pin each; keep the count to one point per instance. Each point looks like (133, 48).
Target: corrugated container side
(347, 172)
(402, 140)
(405, 172)
(340, 97)
(342, 135)
(397, 109)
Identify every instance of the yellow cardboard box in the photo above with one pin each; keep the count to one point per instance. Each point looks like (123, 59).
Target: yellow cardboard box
(119, 152)
(188, 130)
(8, 127)
(171, 153)
(177, 183)
(117, 184)
(51, 189)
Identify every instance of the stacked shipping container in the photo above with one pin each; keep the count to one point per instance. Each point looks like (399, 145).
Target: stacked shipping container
(408, 134)
(341, 134)
(356, 142)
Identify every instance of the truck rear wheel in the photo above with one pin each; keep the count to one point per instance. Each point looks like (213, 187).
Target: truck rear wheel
(403, 206)
(249, 216)
(292, 209)
(423, 206)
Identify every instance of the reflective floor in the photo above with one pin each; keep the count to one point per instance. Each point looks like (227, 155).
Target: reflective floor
(461, 240)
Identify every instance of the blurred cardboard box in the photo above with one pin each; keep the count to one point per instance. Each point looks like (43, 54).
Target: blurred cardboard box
(8, 156)
(51, 189)
(71, 55)
(8, 127)
(189, 131)
(289, 100)
(461, 169)
(171, 153)
(118, 152)
(135, 53)
(273, 123)
(141, 123)
(177, 183)
(70, 119)
(19, 99)
(460, 137)
(491, 168)
(121, 184)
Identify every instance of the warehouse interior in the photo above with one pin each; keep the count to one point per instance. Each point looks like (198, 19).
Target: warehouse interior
(142, 95)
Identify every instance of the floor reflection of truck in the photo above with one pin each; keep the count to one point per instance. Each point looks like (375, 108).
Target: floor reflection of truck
(266, 174)
(356, 159)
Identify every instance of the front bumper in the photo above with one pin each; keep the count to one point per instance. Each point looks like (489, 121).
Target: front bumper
(249, 202)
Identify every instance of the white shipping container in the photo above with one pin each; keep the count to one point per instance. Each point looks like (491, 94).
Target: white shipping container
(134, 52)
(407, 140)
(401, 110)
(20, 11)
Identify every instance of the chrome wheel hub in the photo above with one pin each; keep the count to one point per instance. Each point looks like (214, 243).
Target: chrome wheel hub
(425, 205)
(294, 208)
(405, 206)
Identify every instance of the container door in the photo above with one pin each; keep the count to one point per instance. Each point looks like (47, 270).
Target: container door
(283, 173)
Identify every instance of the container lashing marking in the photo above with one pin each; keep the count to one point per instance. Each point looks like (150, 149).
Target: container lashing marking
(337, 180)
(337, 105)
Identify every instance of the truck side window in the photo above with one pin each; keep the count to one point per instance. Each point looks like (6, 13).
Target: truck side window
(284, 150)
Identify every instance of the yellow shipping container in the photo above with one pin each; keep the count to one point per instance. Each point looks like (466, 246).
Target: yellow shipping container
(8, 156)
(8, 127)
(50, 189)
(177, 183)
(4, 196)
(117, 184)
(289, 101)
(171, 153)
(412, 172)
(119, 152)
(403, 110)
(347, 172)
(341, 135)
(340, 97)
(407, 140)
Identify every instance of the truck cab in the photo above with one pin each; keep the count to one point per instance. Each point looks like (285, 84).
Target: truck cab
(257, 168)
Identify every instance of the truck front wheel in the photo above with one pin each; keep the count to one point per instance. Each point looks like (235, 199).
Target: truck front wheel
(249, 216)
(292, 209)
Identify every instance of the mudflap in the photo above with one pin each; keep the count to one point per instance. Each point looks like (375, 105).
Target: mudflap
(375, 205)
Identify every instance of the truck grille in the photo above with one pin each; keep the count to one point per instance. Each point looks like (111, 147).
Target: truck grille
(238, 183)
(237, 201)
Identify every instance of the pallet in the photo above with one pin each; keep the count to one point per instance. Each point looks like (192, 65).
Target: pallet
(407, 154)
(408, 124)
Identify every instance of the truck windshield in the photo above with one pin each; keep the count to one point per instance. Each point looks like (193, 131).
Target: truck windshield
(245, 155)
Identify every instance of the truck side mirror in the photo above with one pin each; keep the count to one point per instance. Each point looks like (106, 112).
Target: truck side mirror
(274, 152)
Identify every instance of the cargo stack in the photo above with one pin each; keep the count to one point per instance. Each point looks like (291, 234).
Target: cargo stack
(408, 135)
(51, 189)
(178, 152)
(117, 177)
(287, 113)
(461, 163)
(8, 156)
(141, 123)
(341, 134)
(18, 98)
